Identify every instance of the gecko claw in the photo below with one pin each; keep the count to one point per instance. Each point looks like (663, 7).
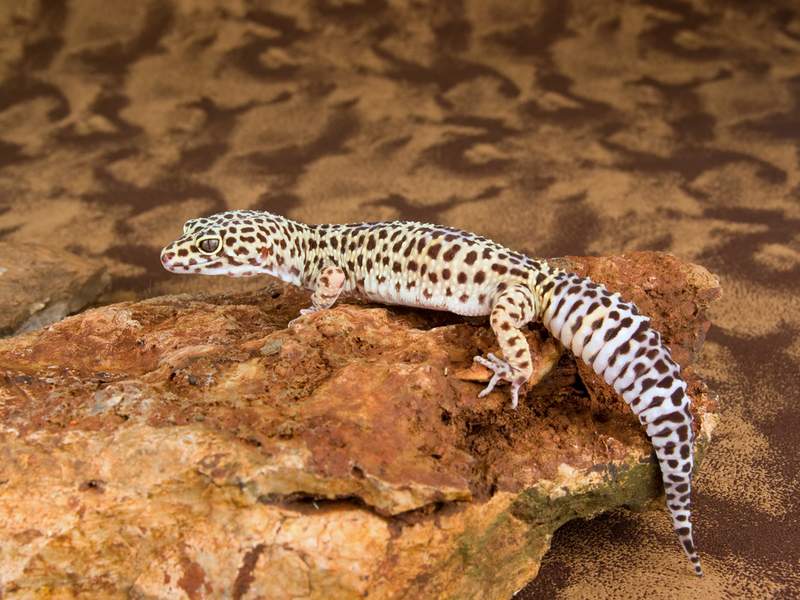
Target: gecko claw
(501, 371)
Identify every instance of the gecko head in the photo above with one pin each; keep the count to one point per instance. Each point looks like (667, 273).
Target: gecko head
(235, 243)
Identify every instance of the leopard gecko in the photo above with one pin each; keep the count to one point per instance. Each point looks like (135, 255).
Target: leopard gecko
(429, 266)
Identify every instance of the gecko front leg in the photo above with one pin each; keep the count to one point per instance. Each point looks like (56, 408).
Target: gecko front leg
(511, 311)
(329, 285)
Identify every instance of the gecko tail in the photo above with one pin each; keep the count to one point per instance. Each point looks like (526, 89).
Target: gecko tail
(618, 343)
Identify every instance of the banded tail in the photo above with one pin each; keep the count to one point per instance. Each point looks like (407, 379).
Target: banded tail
(619, 344)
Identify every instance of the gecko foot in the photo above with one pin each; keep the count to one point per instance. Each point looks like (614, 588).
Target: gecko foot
(502, 371)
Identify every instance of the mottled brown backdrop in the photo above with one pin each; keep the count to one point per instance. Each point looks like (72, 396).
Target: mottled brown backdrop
(552, 126)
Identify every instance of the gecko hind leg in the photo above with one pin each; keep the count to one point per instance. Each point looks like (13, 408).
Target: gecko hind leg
(511, 311)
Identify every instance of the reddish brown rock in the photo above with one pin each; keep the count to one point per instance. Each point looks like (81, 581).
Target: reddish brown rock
(196, 447)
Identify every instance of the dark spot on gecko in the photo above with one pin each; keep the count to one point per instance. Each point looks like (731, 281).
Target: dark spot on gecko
(471, 257)
(433, 251)
(499, 269)
(576, 325)
(677, 397)
(450, 254)
(462, 277)
(647, 383)
(665, 383)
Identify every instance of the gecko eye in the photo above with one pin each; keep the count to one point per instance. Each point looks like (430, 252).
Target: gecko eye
(210, 245)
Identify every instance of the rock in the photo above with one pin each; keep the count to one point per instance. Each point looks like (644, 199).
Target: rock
(40, 286)
(198, 447)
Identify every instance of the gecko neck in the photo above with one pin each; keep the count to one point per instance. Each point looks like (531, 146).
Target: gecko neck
(287, 252)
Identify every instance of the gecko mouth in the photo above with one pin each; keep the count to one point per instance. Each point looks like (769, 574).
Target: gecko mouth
(171, 262)
(212, 265)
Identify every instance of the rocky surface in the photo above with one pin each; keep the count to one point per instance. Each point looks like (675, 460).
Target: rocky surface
(199, 447)
(40, 286)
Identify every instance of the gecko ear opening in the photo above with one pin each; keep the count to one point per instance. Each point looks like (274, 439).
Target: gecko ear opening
(210, 244)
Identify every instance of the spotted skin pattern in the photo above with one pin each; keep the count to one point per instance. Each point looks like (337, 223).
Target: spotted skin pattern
(440, 268)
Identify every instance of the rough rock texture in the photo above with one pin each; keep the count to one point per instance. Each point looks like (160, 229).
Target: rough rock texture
(40, 286)
(197, 447)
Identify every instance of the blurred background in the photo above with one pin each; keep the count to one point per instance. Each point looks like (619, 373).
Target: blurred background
(554, 127)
